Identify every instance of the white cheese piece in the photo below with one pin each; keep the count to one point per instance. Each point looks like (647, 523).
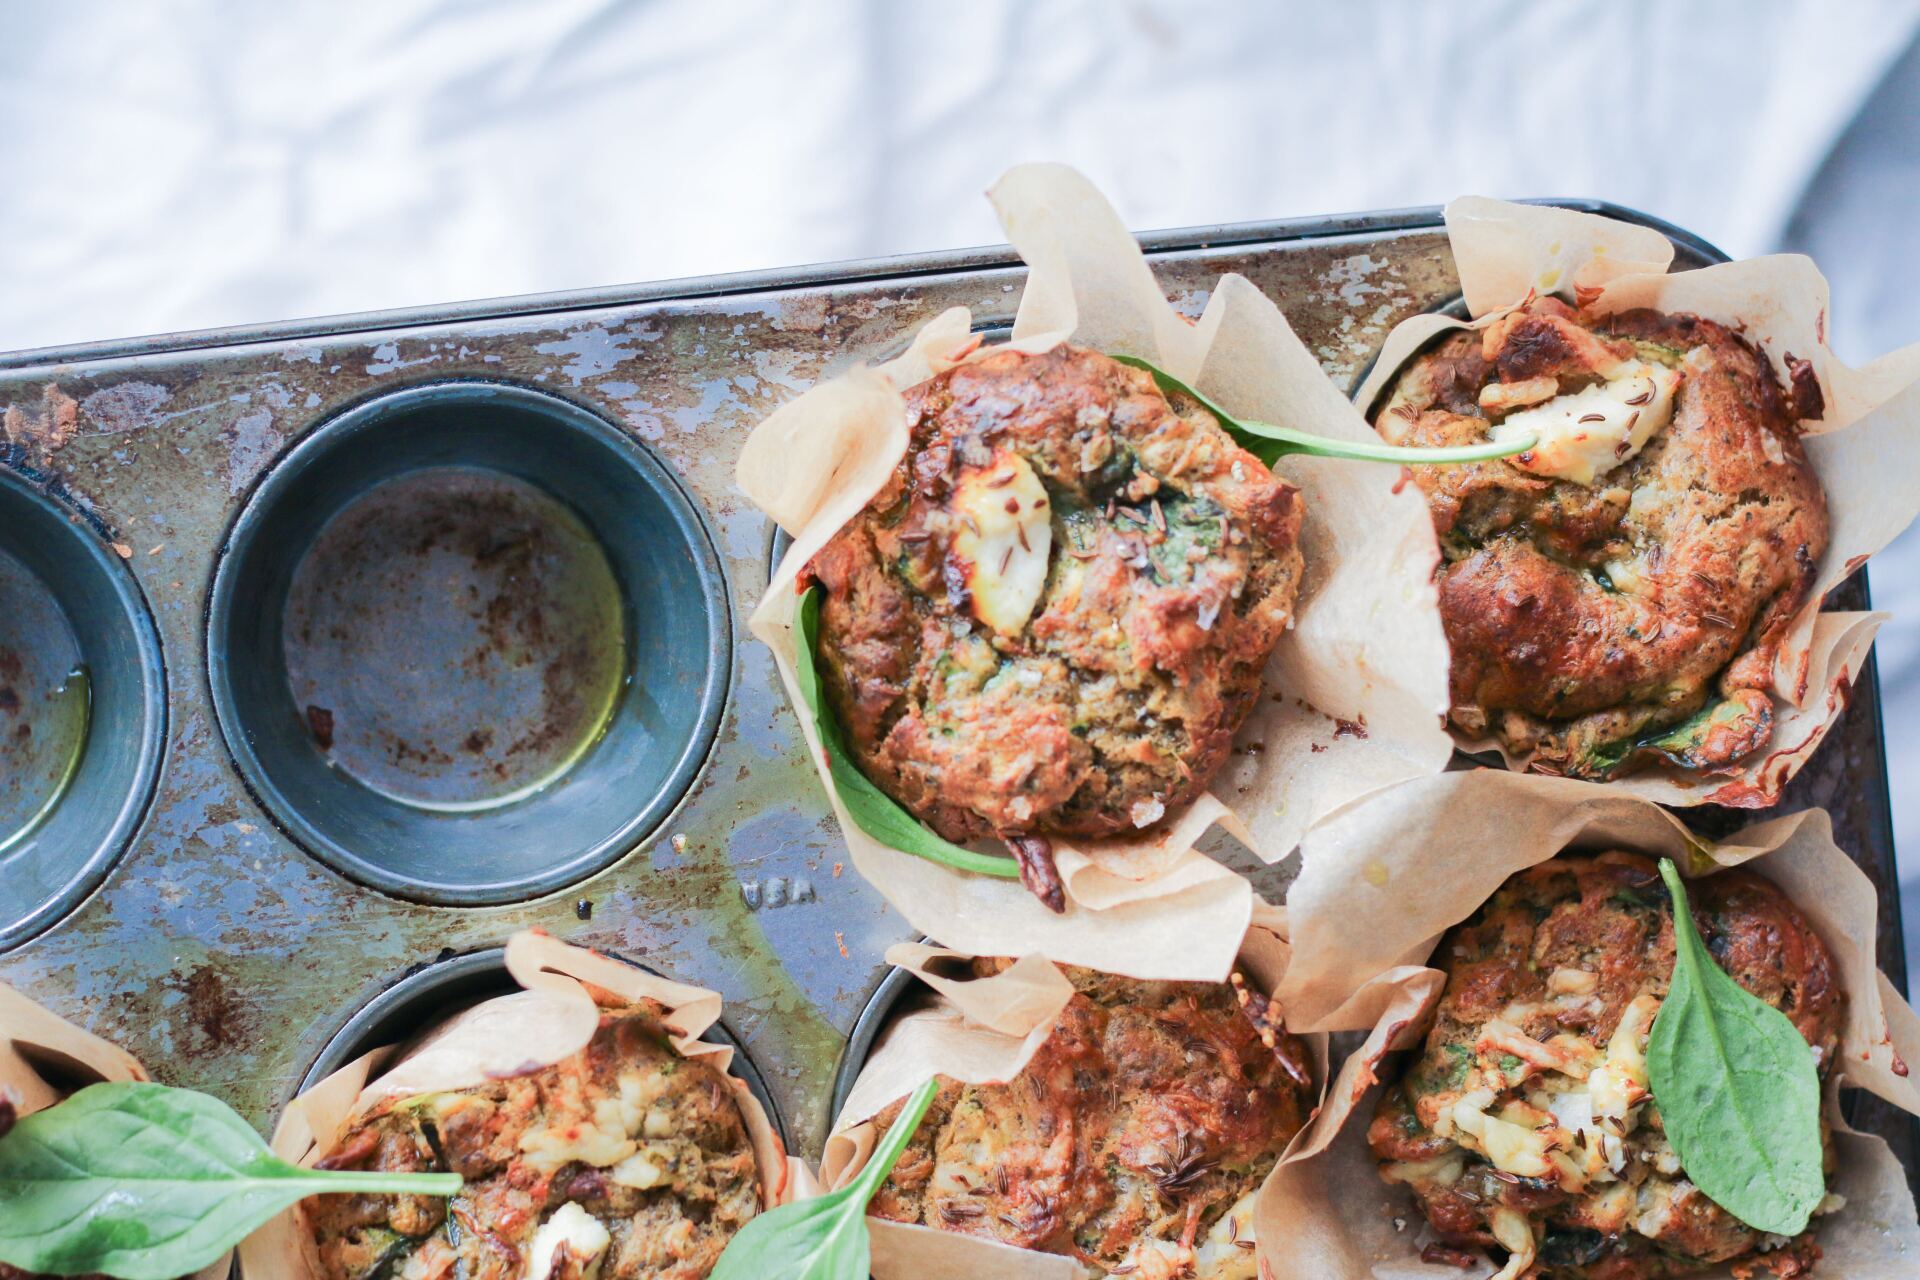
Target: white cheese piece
(1154, 1260)
(1516, 1237)
(1003, 534)
(1441, 1171)
(1572, 982)
(1225, 1252)
(643, 1170)
(570, 1233)
(1589, 432)
(1620, 1083)
(1628, 575)
(1513, 1148)
(600, 1142)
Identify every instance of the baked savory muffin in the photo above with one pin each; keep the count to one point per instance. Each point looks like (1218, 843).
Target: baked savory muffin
(1134, 1141)
(1054, 616)
(1617, 593)
(625, 1161)
(1526, 1125)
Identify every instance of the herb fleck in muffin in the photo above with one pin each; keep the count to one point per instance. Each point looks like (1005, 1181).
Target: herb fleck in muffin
(1526, 1125)
(1135, 1139)
(624, 1162)
(1053, 618)
(1619, 592)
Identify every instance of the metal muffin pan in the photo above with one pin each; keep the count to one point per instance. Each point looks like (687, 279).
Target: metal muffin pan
(278, 887)
(468, 642)
(82, 707)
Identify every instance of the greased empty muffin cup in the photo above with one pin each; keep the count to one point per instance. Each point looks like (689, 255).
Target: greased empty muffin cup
(469, 643)
(1784, 666)
(579, 1017)
(1349, 702)
(82, 708)
(1418, 862)
(1103, 1047)
(43, 1058)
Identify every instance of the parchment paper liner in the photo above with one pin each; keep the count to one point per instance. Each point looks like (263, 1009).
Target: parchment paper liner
(1412, 863)
(28, 1033)
(1366, 647)
(552, 1018)
(987, 1029)
(1866, 450)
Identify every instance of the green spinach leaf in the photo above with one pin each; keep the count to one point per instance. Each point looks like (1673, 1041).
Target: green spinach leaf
(872, 810)
(145, 1182)
(1736, 1087)
(823, 1239)
(1270, 443)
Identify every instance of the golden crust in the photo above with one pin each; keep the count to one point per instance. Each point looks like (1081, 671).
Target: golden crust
(1571, 948)
(650, 1144)
(1150, 1112)
(1586, 621)
(1172, 572)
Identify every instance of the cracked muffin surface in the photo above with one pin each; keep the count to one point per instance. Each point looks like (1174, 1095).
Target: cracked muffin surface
(1619, 593)
(1054, 616)
(625, 1161)
(1134, 1141)
(1526, 1125)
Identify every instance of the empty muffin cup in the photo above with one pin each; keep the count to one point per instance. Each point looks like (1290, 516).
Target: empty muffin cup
(82, 709)
(469, 643)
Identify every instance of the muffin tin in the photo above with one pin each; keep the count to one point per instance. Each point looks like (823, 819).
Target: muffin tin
(405, 631)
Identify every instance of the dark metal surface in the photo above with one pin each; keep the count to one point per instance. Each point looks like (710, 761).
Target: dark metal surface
(226, 957)
(469, 643)
(82, 708)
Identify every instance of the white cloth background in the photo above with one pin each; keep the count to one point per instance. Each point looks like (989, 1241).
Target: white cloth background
(175, 165)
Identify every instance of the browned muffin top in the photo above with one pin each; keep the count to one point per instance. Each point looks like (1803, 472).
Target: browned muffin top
(1054, 616)
(1134, 1140)
(1619, 593)
(1526, 1124)
(625, 1161)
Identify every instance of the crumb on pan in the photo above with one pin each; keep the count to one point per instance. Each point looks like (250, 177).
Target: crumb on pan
(1619, 593)
(1134, 1141)
(1526, 1127)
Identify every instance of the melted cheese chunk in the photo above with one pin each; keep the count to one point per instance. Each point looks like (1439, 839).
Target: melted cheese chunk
(1226, 1251)
(1516, 1237)
(1620, 1083)
(1155, 1260)
(1003, 533)
(1440, 1171)
(600, 1142)
(1511, 1147)
(646, 1168)
(571, 1233)
(1589, 432)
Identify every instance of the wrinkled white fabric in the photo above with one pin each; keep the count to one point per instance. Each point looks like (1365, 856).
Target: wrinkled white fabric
(1851, 222)
(172, 165)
